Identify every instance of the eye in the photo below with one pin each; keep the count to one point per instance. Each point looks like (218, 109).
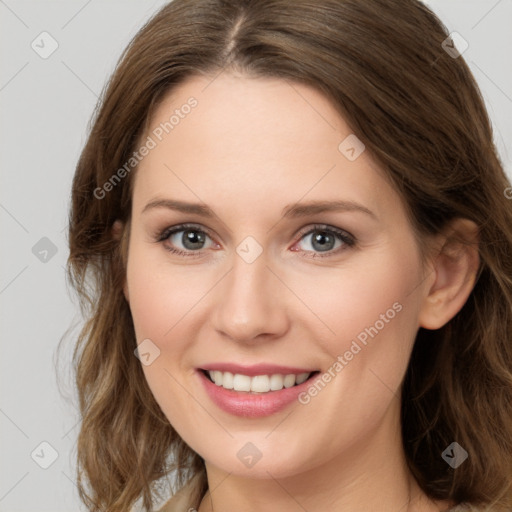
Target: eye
(323, 238)
(190, 236)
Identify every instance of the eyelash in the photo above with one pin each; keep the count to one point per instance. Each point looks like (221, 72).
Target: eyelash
(347, 239)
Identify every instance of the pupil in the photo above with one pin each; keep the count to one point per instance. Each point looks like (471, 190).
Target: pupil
(324, 239)
(193, 239)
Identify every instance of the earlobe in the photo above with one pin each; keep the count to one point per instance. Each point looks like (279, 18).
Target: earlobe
(456, 268)
(117, 230)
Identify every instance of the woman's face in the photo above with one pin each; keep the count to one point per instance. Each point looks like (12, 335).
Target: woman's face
(269, 284)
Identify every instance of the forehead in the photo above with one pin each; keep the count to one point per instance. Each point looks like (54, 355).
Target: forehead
(248, 141)
(259, 117)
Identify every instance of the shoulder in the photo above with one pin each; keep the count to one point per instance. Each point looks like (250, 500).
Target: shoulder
(182, 501)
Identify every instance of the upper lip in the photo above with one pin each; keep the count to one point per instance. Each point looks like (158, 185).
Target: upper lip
(256, 369)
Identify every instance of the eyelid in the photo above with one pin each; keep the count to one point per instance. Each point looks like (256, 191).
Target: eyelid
(162, 235)
(325, 227)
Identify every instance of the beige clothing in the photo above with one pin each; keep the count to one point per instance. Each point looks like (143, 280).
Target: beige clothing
(181, 501)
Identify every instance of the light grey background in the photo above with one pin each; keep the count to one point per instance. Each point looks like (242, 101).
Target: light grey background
(45, 107)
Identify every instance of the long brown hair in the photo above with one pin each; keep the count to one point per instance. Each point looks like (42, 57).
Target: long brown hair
(420, 113)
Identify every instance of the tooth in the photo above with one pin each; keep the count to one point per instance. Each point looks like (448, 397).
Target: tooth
(276, 382)
(241, 382)
(289, 380)
(260, 383)
(227, 381)
(302, 377)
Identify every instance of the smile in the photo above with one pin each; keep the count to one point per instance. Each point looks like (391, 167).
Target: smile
(256, 395)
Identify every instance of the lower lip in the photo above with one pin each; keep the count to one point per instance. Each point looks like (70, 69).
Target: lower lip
(252, 405)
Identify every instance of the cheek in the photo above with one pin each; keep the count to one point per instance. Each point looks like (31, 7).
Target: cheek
(161, 304)
(371, 312)
(371, 297)
(161, 297)
(373, 318)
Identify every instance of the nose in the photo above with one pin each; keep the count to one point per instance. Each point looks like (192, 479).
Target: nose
(250, 302)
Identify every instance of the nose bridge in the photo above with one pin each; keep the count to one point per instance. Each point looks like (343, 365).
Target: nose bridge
(249, 302)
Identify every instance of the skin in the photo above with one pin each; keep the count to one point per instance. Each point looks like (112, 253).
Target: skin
(250, 148)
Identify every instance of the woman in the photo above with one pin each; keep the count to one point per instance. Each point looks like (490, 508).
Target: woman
(296, 296)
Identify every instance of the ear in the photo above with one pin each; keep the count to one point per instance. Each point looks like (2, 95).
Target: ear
(456, 266)
(117, 234)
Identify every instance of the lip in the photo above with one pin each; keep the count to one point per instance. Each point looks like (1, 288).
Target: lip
(256, 369)
(253, 405)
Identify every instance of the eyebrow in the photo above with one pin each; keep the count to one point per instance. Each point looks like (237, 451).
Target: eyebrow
(290, 211)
